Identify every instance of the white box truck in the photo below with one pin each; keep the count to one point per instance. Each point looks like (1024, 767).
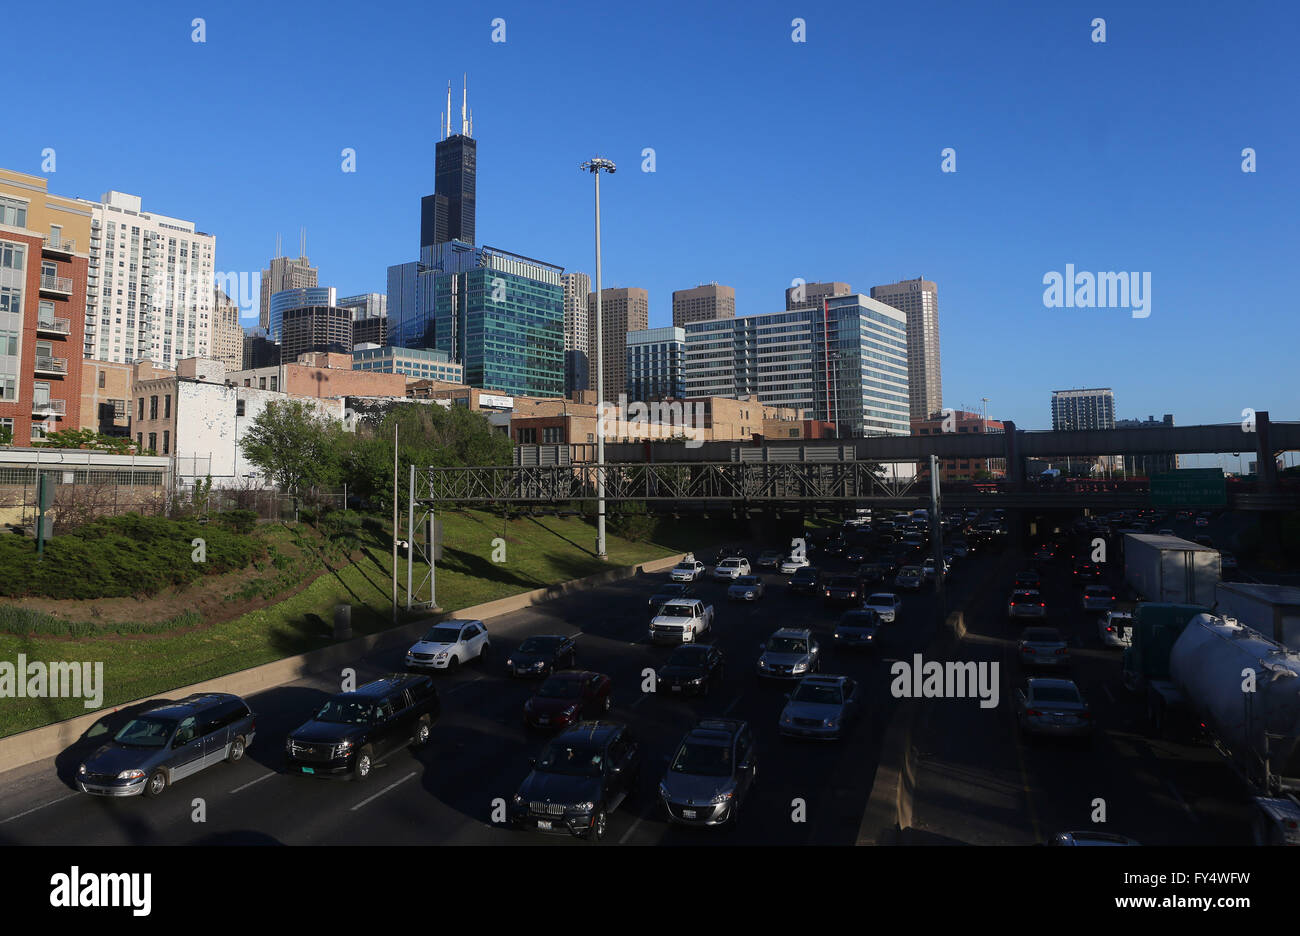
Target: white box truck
(1170, 569)
(1273, 610)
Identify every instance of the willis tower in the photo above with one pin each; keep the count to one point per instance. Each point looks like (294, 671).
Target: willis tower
(448, 214)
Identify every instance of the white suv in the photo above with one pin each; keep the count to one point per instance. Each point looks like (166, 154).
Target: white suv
(731, 569)
(448, 644)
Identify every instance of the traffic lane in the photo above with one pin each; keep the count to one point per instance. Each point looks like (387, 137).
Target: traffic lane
(301, 816)
(1141, 787)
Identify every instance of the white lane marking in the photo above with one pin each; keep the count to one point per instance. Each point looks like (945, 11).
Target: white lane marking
(383, 791)
(35, 808)
(251, 782)
(628, 834)
(1181, 802)
(1106, 689)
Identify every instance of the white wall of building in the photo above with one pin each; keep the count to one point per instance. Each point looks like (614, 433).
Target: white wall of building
(209, 429)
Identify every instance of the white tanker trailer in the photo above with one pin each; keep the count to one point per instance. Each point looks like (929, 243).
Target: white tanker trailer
(1245, 689)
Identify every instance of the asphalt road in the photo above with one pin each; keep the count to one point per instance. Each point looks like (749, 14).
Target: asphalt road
(480, 749)
(979, 783)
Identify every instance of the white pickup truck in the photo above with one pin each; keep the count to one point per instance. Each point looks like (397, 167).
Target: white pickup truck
(681, 621)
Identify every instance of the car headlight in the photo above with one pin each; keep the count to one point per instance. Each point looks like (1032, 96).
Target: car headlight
(583, 807)
(131, 775)
(571, 710)
(509, 662)
(82, 769)
(695, 682)
(410, 653)
(829, 722)
(441, 656)
(518, 799)
(342, 748)
(837, 635)
(288, 745)
(800, 668)
(762, 663)
(749, 594)
(722, 797)
(785, 719)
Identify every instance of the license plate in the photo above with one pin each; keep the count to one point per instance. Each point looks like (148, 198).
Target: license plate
(688, 813)
(309, 770)
(677, 688)
(543, 823)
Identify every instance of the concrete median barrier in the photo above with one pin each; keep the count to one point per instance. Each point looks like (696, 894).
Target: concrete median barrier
(39, 743)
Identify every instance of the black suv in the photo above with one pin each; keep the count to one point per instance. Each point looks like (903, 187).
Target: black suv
(581, 777)
(353, 730)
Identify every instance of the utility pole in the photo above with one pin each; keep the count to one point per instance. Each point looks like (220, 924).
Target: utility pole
(936, 541)
(596, 166)
(394, 521)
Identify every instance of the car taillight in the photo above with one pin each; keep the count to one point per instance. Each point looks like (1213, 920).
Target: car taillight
(1062, 651)
(1041, 605)
(1109, 629)
(1026, 649)
(1013, 604)
(1085, 714)
(1033, 712)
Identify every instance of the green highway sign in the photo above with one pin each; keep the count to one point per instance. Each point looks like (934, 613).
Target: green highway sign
(1190, 487)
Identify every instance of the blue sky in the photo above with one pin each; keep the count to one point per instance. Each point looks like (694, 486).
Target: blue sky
(774, 160)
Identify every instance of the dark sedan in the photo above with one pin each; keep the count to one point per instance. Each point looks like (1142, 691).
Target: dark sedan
(582, 776)
(691, 669)
(567, 697)
(806, 581)
(542, 655)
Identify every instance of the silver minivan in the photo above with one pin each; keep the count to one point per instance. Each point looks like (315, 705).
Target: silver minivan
(168, 743)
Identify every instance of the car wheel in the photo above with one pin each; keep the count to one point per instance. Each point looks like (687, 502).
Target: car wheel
(156, 783)
(236, 751)
(452, 664)
(421, 735)
(361, 769)
(599, 827)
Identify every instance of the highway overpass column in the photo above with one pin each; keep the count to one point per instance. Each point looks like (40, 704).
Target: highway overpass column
(1015, 464)
(1265, 464)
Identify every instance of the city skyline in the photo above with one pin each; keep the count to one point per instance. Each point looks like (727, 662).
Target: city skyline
(1107, 199)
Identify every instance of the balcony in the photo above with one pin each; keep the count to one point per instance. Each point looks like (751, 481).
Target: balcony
(59, 245)
(49, 407)
(56, 284)
(54, 326)
(51, 365)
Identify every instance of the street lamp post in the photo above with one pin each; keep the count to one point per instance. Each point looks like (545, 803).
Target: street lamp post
(596, 166)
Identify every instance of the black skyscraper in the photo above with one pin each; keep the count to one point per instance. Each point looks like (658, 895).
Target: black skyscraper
(448, 214)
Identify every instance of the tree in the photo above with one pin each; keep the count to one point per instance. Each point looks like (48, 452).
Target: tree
(87, 438)
(428, 435)
(294, 445)
(6, 435)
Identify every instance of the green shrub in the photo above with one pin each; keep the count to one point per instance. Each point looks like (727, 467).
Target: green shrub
(115, 557)
(240, 521)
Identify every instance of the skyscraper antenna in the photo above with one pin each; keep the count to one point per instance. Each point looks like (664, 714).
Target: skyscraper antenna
(448, 110)
(302, 242)
(464, 103)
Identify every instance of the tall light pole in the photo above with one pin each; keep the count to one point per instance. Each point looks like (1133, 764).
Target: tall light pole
(596, 166)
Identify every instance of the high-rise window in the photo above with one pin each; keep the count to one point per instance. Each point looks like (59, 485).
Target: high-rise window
(102, 378)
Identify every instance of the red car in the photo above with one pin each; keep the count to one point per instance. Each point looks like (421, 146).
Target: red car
(567, 698)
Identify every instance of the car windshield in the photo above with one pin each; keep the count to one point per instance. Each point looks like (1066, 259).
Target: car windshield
(881, 600)
(818, 693)
(1042, 635)
(787, 645)
(575, 760)
(686, 566)
(1024, 595)
(692, 655)
(560, 687)
(805, 574)
(442, 635)
(146, 732)
(858, 619)
(344, 711)
(703, 760)
(676, 610)
(1055, 694)
(747, 580)
(1094, 592)
(910, 570)
(541, 644)
(731, 563)
(844, 581)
